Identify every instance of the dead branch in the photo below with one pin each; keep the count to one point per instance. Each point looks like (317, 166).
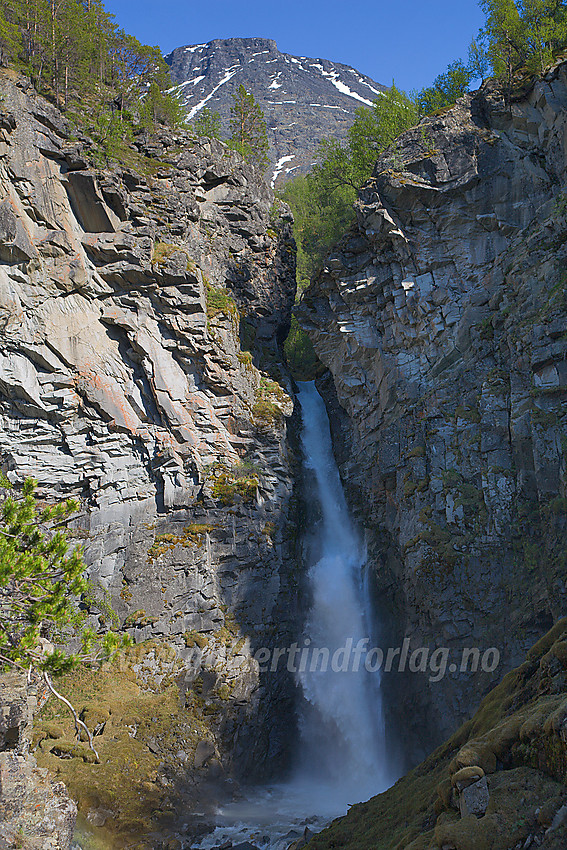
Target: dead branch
(78, 723)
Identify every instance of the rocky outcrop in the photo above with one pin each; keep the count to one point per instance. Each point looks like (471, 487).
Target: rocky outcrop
(141, 309)
(35, 813)
(304, 100)
(441, 318)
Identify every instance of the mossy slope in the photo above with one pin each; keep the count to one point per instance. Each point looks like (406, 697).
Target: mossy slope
(146, 734)
(518, 736)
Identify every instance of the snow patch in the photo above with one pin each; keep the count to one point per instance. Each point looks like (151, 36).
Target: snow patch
(228, 76)
(333, 78)
(328, 106)
(274, 84)
(345, 90)
(279, 167)
(194, 48)
(364, 83)
(191, 82)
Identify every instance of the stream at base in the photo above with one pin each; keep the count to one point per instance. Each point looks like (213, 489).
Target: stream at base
(341, 752)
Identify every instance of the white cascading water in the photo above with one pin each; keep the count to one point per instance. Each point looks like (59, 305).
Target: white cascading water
(341, 756)
(342, 729)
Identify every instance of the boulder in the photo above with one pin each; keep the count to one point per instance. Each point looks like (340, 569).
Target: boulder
(473, 799)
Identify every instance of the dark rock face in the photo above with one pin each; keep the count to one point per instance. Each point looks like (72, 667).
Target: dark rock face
(304, 100)
(141, 311)
(442, 320)
(32, 807)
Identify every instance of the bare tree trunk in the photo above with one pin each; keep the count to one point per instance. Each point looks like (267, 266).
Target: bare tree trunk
(78, 723)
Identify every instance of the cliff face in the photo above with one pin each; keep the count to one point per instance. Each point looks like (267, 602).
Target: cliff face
(141, 309)
(441, 318)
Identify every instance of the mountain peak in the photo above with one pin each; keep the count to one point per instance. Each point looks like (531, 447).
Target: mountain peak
(304, 100)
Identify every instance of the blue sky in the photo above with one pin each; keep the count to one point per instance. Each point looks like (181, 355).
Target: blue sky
(410, 41)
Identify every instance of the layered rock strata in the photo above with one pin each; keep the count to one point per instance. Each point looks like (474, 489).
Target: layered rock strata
(35, 812)
(142, 307)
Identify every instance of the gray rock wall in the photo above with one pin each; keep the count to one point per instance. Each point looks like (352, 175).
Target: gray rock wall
(141, 311)
(442, 319)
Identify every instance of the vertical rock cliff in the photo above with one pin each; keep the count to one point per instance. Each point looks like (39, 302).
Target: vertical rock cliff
(442, 320)
(142, 308)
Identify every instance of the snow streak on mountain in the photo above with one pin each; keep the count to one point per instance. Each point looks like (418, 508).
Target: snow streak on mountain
(304, 100)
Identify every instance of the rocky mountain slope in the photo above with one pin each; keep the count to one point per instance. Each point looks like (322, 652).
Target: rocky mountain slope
(304, 100)
(141, 311)
(442, 320)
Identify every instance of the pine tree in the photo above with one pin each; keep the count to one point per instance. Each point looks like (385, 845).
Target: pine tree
(208, 123)
(10, 36)
(40, 581)
(75, 54)
(248, 128)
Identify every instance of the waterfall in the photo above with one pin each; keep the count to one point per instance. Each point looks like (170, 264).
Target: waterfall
(343, 752)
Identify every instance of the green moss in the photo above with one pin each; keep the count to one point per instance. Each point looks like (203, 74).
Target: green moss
(266, 411)
(486, 329)
(267, 408)
(409, 488)
(193, 534)
(194, 638)
(452, 478)
(196, 533)
(224, 691)
(139, 618)
(543, 417)
(131, 712)
(121, 152)
(220, 301)
(245, 358)
(164, 250)
(470, 414)
(227, 488)
(417, 451)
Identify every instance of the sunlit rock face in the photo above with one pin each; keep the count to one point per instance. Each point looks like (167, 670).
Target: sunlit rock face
(142, 309)
(304, 100)
(441, 317)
